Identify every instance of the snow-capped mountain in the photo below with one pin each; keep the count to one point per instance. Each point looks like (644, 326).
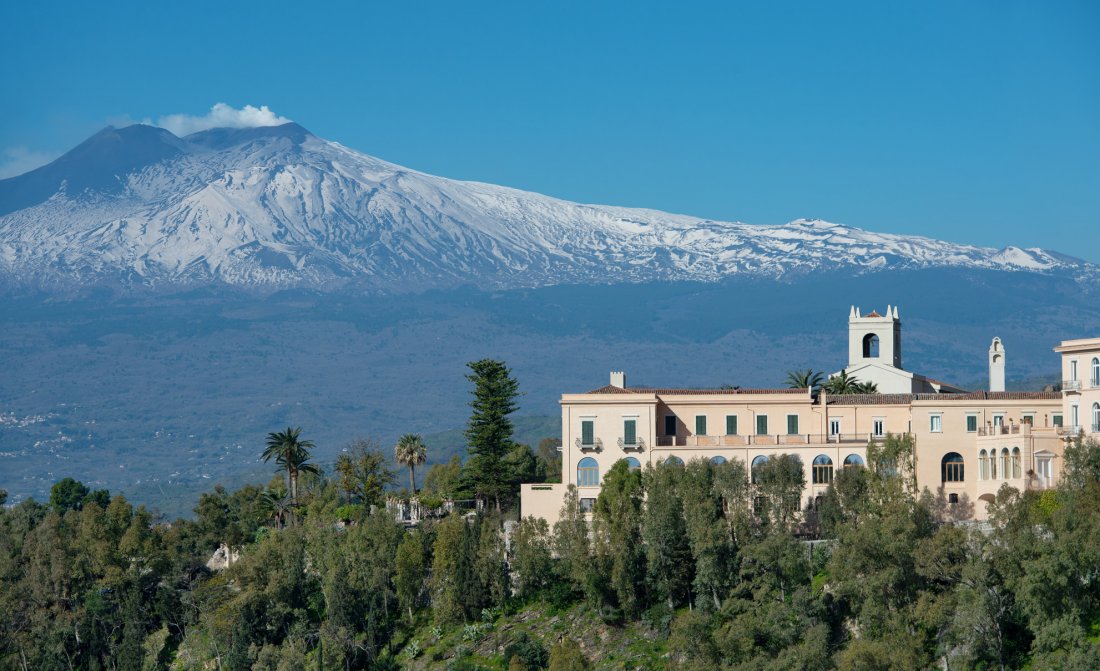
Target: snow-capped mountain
(278, 206)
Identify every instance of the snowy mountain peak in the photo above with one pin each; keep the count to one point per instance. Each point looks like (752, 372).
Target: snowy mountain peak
(278, 206)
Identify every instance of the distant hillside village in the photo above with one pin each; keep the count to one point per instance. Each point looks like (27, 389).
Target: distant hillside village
(967, 443)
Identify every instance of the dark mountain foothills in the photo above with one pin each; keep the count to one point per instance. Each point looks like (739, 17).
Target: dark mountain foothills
(680, 568)
(161, 395)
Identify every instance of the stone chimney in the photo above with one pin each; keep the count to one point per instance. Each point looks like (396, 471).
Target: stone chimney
(618, 379)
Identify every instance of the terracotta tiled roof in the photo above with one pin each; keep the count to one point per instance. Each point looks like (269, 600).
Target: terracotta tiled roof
(609, 389)
(873, 313)
(871, 399)
(699, 392)
(905, 399)
(993, 396)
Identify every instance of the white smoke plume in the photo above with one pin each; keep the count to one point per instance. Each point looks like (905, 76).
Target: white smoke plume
(221, 115)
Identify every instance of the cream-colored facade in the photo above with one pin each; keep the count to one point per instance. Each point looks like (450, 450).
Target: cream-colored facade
(969, 443)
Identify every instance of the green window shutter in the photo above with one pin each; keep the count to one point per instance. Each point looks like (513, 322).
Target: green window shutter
(731, 425)
(701, 425)
(971, 423)
(1057, 420)
(630, 431)
(761, 425)
(792, 424)
(587, 432)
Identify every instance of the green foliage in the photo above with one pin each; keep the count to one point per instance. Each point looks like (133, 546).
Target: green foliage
(364, 473)
(803, 379)
(489, 431)
(532, 565)
(620, 562)
(443, 481)
(530, 653)
(410, 451)
(567, 656)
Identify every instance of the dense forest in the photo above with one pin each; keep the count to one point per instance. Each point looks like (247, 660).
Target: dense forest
(694, 566)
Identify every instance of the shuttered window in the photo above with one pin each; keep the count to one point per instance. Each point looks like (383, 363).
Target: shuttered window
(700, 425)
(792, 424)
(630, 431)
(761, 425)
(588, 432)
(731, 425)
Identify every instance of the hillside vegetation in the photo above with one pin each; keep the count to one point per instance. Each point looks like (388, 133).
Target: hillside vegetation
(680, 567)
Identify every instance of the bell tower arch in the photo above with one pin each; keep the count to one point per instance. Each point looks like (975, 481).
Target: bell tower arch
(874, 338)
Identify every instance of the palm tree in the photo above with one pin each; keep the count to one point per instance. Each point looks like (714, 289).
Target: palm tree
(802, 379)
(841, 383)
(277, 505)
(864, 388)
(411, 451)
(292, 453)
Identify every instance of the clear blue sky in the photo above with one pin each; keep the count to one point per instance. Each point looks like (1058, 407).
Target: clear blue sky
(976, 122)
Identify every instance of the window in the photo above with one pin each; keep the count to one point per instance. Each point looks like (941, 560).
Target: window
(761, 425)
(1095, 417)
(670, 425)
(998, 421)
(1016, 462)
(759, 505)
(1042, 467)
(588, 473)
(952, 467)
(588, 432)
(731, 425)
(1056, 419)
(834, 427)
(633, 464)
(718, 460)
(993, 464)
(823, 470)
(588, 505)
(983, 466)
(935, 423)
(971, 423)
(878, 427)
(674, 461)
(853, 460)
(757, 464)
(952, 498)
(630, 432)
(870, 346)
(1095, 371)
(1028, 418)
(700, 425)
(1073, 370)
(1074, 416)
(1003, 463)
(792, 425)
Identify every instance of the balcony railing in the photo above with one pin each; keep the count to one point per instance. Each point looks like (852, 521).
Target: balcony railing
(595, 446)
(1070, 385)
(767, 439)
(1000, 430)
(638, 445)
(1070, 430)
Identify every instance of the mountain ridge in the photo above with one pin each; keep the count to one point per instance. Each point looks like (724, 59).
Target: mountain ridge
(276, 206)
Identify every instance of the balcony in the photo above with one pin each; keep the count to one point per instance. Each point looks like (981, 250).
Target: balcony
(637, 446)
(1071, 385)
(595, 446)
(1070, 431)
(768, 439)
(1001, 430)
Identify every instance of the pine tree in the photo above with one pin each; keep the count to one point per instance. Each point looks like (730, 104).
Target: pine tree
(489, 431)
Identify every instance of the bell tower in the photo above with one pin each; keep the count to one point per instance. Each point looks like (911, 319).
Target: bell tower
(996, 366)
(874, 338)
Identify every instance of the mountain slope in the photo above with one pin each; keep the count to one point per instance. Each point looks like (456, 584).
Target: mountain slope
(278, 206)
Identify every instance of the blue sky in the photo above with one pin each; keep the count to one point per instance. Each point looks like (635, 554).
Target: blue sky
(976, 122)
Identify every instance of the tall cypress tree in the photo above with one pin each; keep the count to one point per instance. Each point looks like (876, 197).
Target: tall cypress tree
(489, 432)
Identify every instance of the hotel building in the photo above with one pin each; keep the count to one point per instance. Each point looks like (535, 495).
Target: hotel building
(969, 443)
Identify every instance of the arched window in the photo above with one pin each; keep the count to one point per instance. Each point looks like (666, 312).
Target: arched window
(757, 464)
(633, 464)
(870, 346)
(718, 460)
(588, 473)
(952, 467)
(1016, 462)
(674, 461)
(983, 465)
(1096, 371)
(853, 460)
(1003, 463)
(823, 470)
(993, 464)
(1095, 417)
